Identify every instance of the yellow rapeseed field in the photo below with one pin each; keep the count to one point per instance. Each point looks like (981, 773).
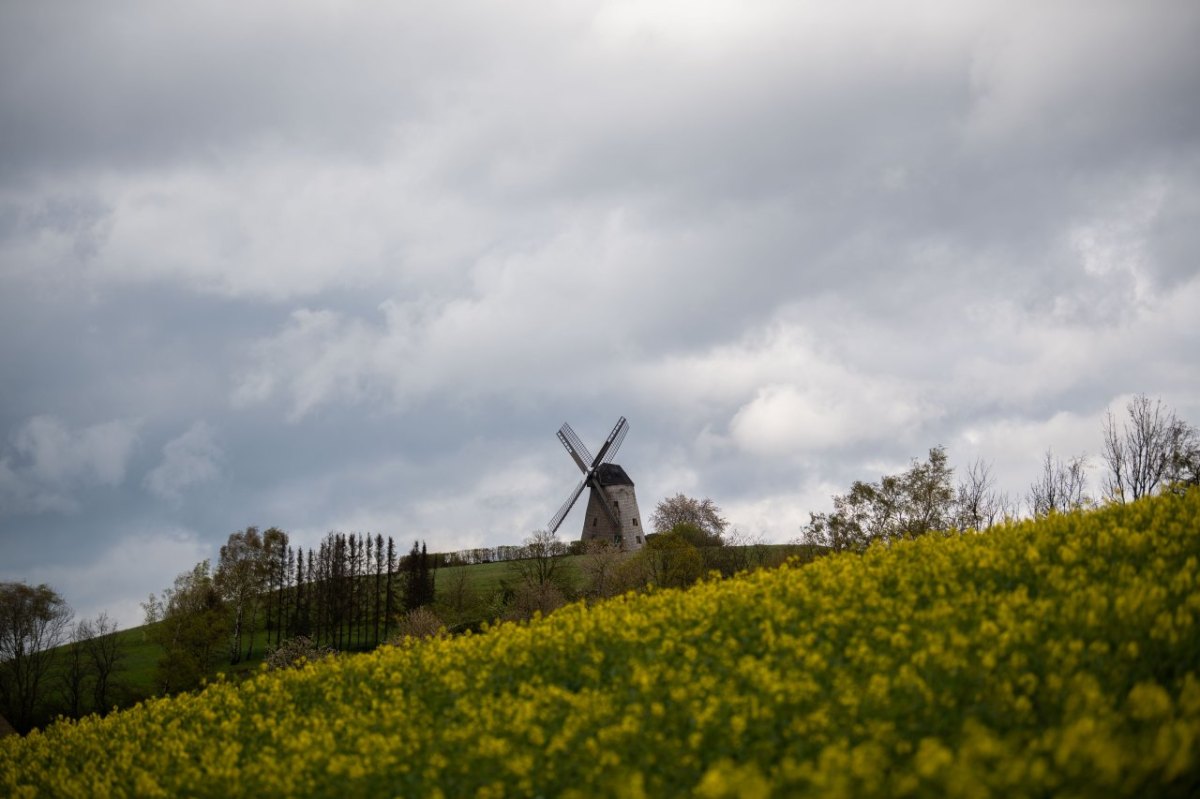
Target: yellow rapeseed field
(1052, 658)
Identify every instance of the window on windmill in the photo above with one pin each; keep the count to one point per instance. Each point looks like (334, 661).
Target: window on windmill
(616, 539)
(635, 521)
(639, 538)
(593, 521)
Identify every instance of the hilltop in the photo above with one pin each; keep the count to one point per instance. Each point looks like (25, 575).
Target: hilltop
(1048, 657)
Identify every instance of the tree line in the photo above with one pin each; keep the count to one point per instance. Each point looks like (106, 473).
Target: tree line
(343, 594)
(50, 663)
(1149, 450)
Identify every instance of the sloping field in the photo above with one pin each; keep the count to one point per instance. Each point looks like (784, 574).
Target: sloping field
(1061, 657)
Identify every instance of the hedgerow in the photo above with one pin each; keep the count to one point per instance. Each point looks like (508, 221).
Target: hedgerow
(1058, 657)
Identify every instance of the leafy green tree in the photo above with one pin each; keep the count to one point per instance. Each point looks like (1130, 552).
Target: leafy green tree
(671, 561)
(696, 535)
(241, 579)
(193, 623)
(33, 621)
(419, 580)
(905, 505)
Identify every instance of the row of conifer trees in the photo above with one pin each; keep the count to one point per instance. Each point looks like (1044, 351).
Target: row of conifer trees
(347, 592)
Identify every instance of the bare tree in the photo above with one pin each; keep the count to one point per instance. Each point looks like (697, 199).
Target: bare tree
(1138, 452)
(680, 509)
(542, 561)
(456, 593)
(979, 506)
(105, 651)
(600, 562)
(743, 552)
(33, 621)
(1061, 486)
(73, 673)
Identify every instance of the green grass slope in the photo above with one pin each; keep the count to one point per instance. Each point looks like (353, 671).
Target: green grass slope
(1050, 658)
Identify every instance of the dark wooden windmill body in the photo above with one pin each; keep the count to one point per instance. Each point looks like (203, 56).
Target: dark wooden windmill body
(612, 511)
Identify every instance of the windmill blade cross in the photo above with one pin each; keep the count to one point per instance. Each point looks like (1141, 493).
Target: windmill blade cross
(566, 506)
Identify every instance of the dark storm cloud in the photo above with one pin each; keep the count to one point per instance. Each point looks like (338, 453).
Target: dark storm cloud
(350, 266)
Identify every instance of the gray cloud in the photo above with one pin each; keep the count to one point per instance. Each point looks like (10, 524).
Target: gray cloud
(385, 250)
(190, 458)
(49, 463)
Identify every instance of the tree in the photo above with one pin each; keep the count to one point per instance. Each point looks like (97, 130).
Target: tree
(1185, 459)
(1151, 449)
(389, 598)
(456, 595)
(1061, 486)
(378, 577)
(601, 560)
(73, 673)
(33, 621)
(680, 509)
(106, 653)
(672, 562)
(419, 585)
(906, 505)
(240, 579)
(696, 536)
(741, 552)
(542, 560)
(273, 567)
(979, 505)
(193, 624)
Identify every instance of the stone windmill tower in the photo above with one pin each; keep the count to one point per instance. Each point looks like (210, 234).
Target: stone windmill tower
(612, 509)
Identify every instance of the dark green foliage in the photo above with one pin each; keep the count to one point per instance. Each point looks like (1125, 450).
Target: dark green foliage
(418, 578)
(33, 621)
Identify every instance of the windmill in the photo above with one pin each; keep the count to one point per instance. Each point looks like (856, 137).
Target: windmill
(612, 509)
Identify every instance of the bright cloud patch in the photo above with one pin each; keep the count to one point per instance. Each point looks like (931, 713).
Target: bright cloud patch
(190, 459)
(49, 462)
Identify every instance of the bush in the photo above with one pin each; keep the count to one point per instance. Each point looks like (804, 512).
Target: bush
(295, 652)
(419, 623)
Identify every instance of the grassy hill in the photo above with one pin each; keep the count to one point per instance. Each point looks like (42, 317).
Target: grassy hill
(1060, 657)
(482, 582)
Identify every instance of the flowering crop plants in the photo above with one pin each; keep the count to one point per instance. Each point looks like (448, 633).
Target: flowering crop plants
(1055, 657)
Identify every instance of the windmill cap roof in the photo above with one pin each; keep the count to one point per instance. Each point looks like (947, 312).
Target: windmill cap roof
(610, 474)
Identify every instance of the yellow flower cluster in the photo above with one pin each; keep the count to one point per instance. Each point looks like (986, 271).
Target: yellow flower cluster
(1059, 657)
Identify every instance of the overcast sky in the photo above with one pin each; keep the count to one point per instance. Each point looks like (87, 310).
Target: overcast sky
(331, 266)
